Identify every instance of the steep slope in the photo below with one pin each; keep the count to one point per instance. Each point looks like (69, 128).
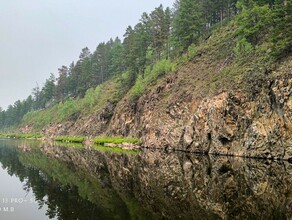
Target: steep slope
(216, 101)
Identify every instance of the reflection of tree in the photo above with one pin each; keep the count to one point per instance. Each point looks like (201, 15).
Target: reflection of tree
(35, 183)
(61, 197)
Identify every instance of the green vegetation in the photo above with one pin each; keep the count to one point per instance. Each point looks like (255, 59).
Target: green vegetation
(281, 36)
(21, 136)
(99, 142)
(70, 139)
(116, 150)
(243, 48)
(253, 21)
(75, 142)
(152, 73)
(249, 35)
(116, 140)
(71, 109)
(69, 144)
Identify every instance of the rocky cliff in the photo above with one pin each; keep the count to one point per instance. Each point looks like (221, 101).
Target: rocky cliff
(229, 123)
(237, 121)
(215, 102)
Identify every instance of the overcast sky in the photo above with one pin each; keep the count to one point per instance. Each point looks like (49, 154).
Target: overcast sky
(39, 36)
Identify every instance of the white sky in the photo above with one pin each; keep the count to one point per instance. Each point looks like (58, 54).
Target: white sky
(39, 36)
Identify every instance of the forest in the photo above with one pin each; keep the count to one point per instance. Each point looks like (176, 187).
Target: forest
(159, 37)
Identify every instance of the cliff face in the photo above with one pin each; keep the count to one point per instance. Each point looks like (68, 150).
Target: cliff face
(234, 122)
(173, 114)
(215, 102)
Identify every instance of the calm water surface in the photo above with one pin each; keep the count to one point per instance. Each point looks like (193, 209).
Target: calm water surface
(44, 181)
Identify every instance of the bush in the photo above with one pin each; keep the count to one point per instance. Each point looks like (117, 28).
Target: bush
(67, 109)
(116, 150)
(138, 89)
(253, 21)
(70, 139)
(91, 97)
(243, 47)
(116, 140)
(160, 68)
(192, 51)
(152, 73)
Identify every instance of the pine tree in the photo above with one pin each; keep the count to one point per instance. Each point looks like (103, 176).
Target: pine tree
(188, 23)
(61, 88)
(282, 28)
(254, 20)
(160, 21)
(116, 58)
(48, 91)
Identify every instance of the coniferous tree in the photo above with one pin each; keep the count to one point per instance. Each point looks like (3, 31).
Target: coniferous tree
(282, 20)
(160, 21)
(61, 88)
(101, 60)
(188, 23)
(36, 93)
(79, 75)
(48, 91)
(130, 54)
(116, 65)
(253, 20)
(71, 81)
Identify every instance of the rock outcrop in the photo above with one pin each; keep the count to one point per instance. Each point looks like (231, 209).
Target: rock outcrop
(183, 112)
(228, 123)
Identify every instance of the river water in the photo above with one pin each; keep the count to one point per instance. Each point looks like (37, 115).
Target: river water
(47, 181)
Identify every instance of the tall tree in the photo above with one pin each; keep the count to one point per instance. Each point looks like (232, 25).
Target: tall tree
(188, 23)
(101, 56)
(116, 65)
(160, 21)
(36, 93)
(61, 87)
(72, 81)
(130, 54)
(83, 67)
(254, 20)
(282, 20)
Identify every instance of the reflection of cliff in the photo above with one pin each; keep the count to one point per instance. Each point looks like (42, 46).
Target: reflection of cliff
(187, 186)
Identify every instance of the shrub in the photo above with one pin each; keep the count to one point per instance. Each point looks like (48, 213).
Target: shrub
(243, 47)
(116, 140)
(152, 73)
(160, 68)
(192, 51)
(116, 150)
(70, 139)
(138, 89)
(67, 109)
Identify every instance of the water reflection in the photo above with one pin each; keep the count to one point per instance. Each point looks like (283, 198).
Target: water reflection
(78, 183)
